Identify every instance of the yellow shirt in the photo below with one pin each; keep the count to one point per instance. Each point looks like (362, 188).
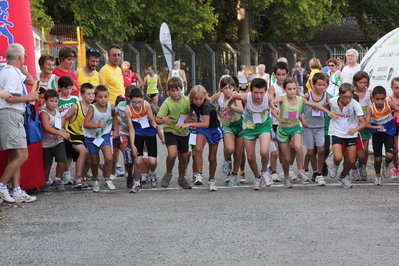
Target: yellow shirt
(93, 80)
(112, 78)
(308, 83)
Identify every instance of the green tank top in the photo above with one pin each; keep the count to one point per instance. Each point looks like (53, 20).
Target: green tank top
(152, 84)
(288, 113)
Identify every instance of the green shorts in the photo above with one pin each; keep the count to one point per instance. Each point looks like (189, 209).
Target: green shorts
(366, 134)
(234, 128)
(285, 134)
(253, 133)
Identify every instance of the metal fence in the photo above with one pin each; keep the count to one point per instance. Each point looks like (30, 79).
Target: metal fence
(205, 63)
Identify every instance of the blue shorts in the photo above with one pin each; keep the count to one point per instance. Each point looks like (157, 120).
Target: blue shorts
(92, 148)
(213, 135)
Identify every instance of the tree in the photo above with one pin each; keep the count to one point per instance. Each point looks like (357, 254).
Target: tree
(39, 17)
(136, 20)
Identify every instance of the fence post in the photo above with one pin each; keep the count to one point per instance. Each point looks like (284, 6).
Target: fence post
(274, 51)
(311, 50)
(137, 56)
(193, 71)
(329, 50)
(154, 56)
(234, 57)
(293, 51)
(256, 54)
(213, 68)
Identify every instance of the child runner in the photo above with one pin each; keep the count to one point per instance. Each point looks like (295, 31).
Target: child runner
(65, 102)
(344, 130)
(395, 99)
(175, 107)
(142, 130)
(313, 129)
(53, 140)
(207, 130)
(379, 121)
(74, 126)
(361, 81)
(289, 128)
(232, 128)
(97, 130)
(256, 124)
(123, 133)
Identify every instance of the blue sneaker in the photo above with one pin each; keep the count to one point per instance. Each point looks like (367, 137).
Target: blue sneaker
(226, 166)
(233, 180)
(212, 185)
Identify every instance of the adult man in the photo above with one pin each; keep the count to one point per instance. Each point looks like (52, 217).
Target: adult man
(298, 75)
(112, 74)
(13, 136)
(177, 72)
(352, 67)
(262, 74)
(88, 73)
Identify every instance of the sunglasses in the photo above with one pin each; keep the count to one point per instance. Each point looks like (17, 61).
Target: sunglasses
(331, 65)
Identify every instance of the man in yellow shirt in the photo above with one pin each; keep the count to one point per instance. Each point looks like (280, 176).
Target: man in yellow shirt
(112, 74)
(88, 73)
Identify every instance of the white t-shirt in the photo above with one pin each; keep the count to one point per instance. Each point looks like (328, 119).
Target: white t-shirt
(348, 72)
(11, 79)
(347, 118)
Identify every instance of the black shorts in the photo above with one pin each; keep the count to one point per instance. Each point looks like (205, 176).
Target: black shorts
(152, 96)
(74, 140)
(150, 142)
(382, 138)
(58, 152)
(347, 142)
(180, 141)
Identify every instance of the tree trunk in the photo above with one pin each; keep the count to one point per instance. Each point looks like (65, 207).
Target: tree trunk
(244, 57)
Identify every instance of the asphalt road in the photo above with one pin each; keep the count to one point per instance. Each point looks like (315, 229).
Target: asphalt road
(306, 225)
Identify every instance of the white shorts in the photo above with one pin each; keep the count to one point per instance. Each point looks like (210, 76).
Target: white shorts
(313, 137)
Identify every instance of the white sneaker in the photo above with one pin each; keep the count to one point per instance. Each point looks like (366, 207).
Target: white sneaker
(292, 175)
(320, 180)
(109, 184)
(5, 195)
(212, 185)
(302, 176)
(135, 188)
(276, 178)
(96, 186)
(362, 171)
(258, 183)
(355, 174)
(198, 179)
(119, 170)
(67, 178)
(23, 197)
(112, 177)
(386, 171)
(267, 180)
(287, 182)
(333, 170)
(345, 182)
(378, 181)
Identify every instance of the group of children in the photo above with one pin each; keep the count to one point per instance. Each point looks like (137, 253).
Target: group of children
(278, 116)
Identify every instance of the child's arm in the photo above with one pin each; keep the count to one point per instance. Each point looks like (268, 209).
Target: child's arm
(87, 124)
(161, 136)
(275, 115)
(393, 106)
(321, 108)
(131, 131)
(45, 119)
(362, 125)
(236, 97)
(71, 112)
(272, 104)
(238, 108)
(150, 115)
(215, 97)
(368, 120)
(202, 124)
(303, 121)
(190, 116)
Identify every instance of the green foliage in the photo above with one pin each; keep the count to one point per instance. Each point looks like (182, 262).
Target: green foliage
(39, 16)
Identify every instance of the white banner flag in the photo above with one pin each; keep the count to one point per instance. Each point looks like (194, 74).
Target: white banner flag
(166, 40)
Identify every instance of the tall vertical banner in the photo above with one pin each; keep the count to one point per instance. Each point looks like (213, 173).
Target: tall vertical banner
(16, 27)
(166, 40)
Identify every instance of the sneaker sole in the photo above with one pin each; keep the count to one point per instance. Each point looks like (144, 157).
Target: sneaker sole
(198, 183)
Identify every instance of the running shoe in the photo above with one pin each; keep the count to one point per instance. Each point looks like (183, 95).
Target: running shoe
(228, 176)
(267, 179)
(153, 179)
(78, 184)
(23, 197)
(198, 179)
(386, 171)
(258, 183)
(287, 182)
(320, 180)
(355, 174)
(233, 180)
(243, 179)
(5, 195)
(67, 178)
(212, 185)
(58, 184)
(135, 188)
(362, 171)
(345, 182)
(302, 176)
(378, 181)
(184, 184)
(96, 186)
(226, 166)
(166, 180)
(108, 183)
(119, 170)
(276, 178)
(333, 170)
(395, 173)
